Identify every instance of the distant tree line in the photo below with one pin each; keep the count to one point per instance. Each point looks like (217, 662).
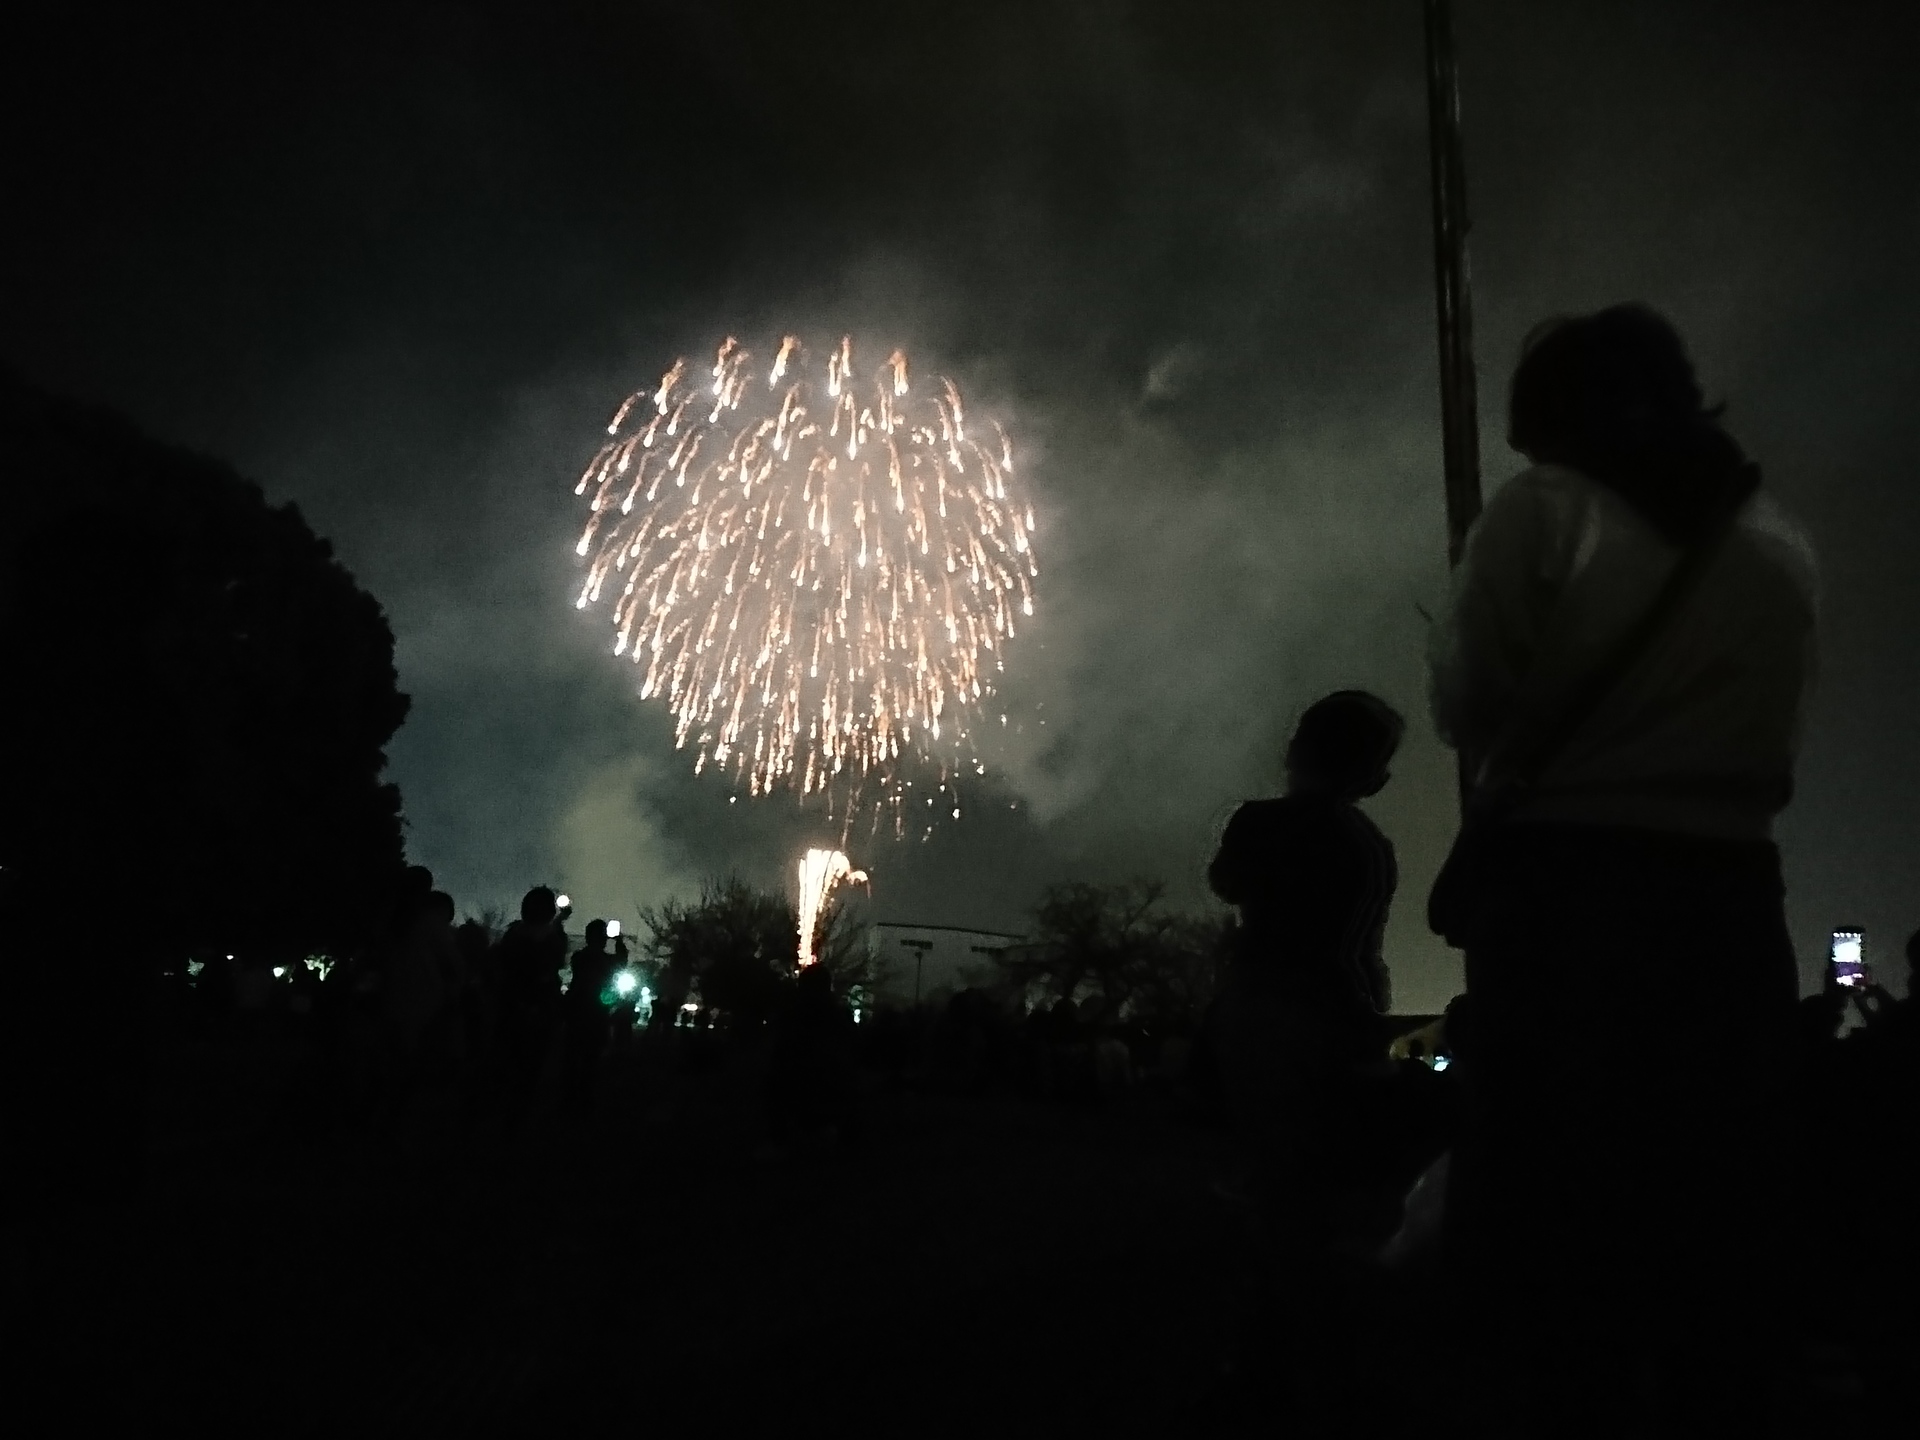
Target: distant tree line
(1118, 952)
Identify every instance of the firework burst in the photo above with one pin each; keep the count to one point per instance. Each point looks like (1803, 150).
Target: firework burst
(817, 572)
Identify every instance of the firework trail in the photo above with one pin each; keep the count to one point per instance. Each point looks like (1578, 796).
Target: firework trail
(817, 573)
(820, 872)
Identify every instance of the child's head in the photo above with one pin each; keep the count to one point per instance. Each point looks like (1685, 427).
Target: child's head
(1344, 744)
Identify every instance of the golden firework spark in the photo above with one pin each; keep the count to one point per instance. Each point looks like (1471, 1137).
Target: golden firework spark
(817, 573)
(820, 872)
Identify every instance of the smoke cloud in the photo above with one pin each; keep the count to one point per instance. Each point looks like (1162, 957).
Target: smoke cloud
(1183, 257)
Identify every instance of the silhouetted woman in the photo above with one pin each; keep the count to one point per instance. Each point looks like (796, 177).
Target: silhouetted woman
(1628, 1029)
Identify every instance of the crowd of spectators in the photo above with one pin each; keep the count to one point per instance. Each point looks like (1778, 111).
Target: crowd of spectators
(1652, 1196)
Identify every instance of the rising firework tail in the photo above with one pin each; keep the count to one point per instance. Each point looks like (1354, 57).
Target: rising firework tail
(821, 871)
(818, 573)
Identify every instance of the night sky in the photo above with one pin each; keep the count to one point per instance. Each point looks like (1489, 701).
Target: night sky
(398, 266)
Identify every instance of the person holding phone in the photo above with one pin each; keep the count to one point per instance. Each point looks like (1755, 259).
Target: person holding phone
(1622, 667)
(588, 1022)
(528, 960)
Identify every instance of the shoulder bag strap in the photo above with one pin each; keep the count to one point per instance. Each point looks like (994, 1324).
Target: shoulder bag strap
(1548, 740)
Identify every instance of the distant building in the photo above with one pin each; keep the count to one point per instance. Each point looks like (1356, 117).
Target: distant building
(925, 964)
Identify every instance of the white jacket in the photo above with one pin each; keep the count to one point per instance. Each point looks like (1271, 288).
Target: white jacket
(1700, 735)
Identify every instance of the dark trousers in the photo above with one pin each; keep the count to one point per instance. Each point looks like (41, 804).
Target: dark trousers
(586, 1042)
(1619, 1197)
(526, 1042)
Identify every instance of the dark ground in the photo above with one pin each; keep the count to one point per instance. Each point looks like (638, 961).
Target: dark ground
(970, 1267)
(984, 1266)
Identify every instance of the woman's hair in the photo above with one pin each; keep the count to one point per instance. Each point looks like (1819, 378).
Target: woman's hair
(1346, 739)
(1613, 395)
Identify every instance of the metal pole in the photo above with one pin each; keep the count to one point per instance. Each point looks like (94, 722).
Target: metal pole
(1453, 298)
(1459, 414)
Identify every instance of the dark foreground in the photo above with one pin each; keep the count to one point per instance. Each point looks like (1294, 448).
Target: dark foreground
(967, 1267)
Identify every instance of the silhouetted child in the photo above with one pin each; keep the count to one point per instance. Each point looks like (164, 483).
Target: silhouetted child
(1313, 877)
(1295, 1039)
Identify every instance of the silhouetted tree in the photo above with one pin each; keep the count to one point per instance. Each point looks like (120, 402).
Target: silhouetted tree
(199, 695)
(741, 945)
(1120, 947)
(840, 944)
(737, 943)
(1180, 972)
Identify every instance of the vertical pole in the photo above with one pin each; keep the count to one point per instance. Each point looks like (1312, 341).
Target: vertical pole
(1453, 298)
(1459, 415)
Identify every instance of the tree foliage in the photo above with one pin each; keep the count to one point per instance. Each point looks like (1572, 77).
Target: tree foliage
(1119, 951)
(737, 943)
(201, 694)
(741, 945)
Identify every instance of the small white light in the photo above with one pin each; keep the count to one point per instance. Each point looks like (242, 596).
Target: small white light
(278, 971)
(563, 902)
(613, 929)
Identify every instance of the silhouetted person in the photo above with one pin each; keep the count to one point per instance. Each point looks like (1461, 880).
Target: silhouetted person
(1903, 1017)
(480, 997)
(672, 984)
(1295, 1040)
(967, 1042)
(1627, 1037)
(623, 1006)
(528, 959)
(1313, 876)
(1821, 1014)
(1063, 1022)
(1881, 1016)
(1067, 1072)
(1901, 1030)
(422, 983)
(1862, 1153)
(450, 963)
(809, 1079)
(214, 987)
(253, 995)
(1300, 1013)
(587, 1014)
